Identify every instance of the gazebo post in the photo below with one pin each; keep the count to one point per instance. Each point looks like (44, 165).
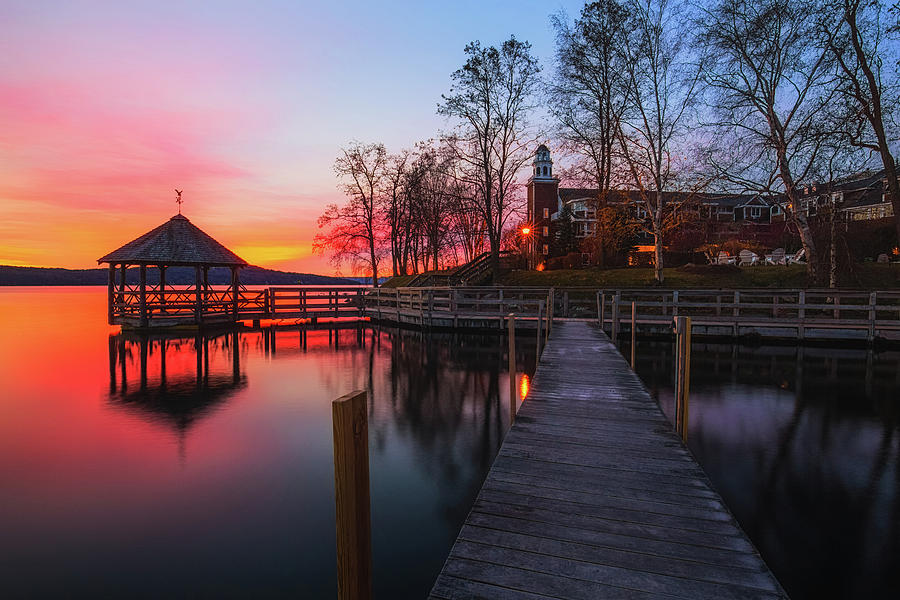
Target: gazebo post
(235, 281)
(162, 283)
(143, 295)
(110, 296)
(198, 310)
(122, 275)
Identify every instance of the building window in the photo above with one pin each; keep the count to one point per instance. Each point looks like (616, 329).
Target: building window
(546, 213)
(545, 250)
(755, 212)
(546, 231)
(545, 171)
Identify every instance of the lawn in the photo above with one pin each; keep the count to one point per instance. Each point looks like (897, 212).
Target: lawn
(868, 276)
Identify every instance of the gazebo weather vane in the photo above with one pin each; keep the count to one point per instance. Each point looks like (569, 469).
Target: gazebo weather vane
(178, 200)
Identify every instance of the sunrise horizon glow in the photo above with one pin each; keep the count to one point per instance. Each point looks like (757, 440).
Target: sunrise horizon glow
(106, 108)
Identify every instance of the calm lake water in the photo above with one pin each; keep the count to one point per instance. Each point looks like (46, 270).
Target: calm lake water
(212, 475)
(804, 447)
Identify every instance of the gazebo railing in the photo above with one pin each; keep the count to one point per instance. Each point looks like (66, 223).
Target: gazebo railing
(270, 302)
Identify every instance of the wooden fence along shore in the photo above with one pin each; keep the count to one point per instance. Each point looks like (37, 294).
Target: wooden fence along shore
(814, 314)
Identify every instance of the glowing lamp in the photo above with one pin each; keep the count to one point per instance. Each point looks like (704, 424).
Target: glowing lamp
(526, 230)
(524, 386)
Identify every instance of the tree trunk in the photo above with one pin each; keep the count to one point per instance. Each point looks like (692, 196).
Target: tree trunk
(495, 259)
(658, 249)
(832, 273)
(797, 216)
(809, 244)
(374, 264)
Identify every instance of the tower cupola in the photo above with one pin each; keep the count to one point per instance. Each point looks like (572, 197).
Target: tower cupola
(543, 165)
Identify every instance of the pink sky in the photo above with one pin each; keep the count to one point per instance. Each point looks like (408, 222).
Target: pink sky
(105, 108)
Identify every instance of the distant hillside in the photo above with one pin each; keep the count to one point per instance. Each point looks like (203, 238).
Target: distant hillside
(174, 275)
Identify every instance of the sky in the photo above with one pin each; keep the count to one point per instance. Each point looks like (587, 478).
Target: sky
(107, 107)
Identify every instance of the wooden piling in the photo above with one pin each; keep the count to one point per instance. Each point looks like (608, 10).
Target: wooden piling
(538, 347)
(633, 332)
(351, 496)
(601, 301)
(549, 308)
(615, 316)
(513, 398)
(870, 334)
(682, 374)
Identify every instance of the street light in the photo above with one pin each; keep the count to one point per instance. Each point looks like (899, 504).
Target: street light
(526, 233)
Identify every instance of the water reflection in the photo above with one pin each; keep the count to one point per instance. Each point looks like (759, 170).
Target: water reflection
(177, 395)
(172, 466)
(803, 445)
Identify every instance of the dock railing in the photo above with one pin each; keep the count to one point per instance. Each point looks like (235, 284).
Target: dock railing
(864, 313)
(447, 306)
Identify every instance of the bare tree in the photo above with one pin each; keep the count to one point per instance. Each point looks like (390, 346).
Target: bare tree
(397, 208)
(589, 93)
(490, 98)
(771, 78)
(654, 130)
(437, 199)
(868, 90)
(355, 231)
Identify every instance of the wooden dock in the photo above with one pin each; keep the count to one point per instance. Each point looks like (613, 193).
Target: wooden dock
(593, 495)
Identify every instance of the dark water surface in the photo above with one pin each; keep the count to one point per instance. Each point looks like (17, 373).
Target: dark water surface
(177, 467)
(804, 447)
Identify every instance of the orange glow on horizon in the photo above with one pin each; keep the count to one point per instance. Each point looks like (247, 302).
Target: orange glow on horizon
(272, 254)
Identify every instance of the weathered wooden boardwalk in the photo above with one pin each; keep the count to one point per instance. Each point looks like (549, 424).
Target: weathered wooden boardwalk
(592, 495)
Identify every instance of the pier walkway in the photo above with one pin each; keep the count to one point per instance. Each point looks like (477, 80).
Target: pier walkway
(592, 495)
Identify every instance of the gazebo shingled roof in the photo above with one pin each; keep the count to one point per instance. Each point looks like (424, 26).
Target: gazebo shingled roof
(175, 242)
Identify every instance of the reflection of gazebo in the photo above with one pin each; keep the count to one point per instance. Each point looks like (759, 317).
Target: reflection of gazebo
(177, 399)
(177, 242)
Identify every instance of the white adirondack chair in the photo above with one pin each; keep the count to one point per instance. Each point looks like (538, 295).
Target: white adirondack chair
(748, 258)
(724, 258)
(777, 257)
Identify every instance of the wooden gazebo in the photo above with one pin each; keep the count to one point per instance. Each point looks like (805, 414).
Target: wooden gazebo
(175, 243)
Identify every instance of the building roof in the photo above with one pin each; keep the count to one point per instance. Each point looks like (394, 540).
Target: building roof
(175, 242)
(633, 196)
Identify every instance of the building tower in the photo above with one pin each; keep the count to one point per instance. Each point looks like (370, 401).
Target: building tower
(543, 201)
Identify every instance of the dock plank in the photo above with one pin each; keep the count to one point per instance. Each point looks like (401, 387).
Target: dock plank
(592, 495)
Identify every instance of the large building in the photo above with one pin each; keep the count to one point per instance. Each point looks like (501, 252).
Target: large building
(724, 216)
